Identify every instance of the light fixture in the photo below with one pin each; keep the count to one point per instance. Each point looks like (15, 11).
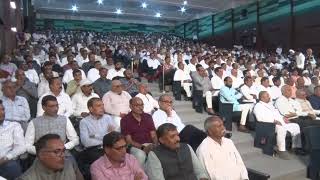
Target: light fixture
(74, 8)
(158, 15)
(14, 29)
(183, 9)
(144, 5)
(118, 11)
(100, 2)
(13, 5)
(185, 2)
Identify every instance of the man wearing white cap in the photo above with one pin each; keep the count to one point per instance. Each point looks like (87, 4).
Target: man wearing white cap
(80, 99)
(306, 78)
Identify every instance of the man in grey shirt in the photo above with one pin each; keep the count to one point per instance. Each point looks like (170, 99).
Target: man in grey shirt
(102, 85)
(172, 160)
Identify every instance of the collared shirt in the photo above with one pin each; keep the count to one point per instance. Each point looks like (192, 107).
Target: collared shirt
(68, 76)
(73, 138)
(64, 101)
(114, 73)
(149, 103)
(275, 92)
(79, 102)
(92, 129)
(248, 93)
(116, 103)
(11, 140)
(236, 81)
(287, 105)
(305, 106)
(138, 130)
(32, 75)
(16, 110)
(102, 86)
(43, 87)
(217, 84)
(266, 112)
(102, 169)
(93, 74)
(230, 95)
(160, 117)
(221, 161)
(72, 88)
(80, 60)
(315, 102)
(181, 75)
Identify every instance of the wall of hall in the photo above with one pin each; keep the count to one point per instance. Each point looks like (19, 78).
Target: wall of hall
(262, 25)
(97, 26)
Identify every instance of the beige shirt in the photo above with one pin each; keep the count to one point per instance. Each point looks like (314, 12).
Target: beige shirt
(115, 104)
(222, 162)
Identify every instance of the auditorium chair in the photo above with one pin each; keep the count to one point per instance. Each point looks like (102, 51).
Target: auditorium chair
(265, 137)
(256, 175)
(312, 135)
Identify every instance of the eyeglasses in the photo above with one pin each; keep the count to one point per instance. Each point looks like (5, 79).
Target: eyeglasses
(138, 104)
(120, 147)
(57, 152)
(166, 101)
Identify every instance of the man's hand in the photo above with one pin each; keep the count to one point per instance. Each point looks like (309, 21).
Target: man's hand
(84, 114)
(3, 160)
(169, 111)
(313, 116)
(138, 176)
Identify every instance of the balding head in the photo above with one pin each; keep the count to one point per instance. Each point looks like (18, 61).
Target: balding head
(264, 96)
(301, 94)
(286, 91)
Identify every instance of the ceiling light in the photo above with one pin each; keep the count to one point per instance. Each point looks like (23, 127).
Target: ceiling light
(100, 2)
(13, 4)
(183, 9)
(185, 2)
(144, 5)
(74, 8)
(14, 29)
(118, 11)
(158, 15)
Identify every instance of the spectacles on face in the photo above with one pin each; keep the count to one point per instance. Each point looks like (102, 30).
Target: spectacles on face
(120, 147)
(56, 152)
(167, 101)
(138, 105)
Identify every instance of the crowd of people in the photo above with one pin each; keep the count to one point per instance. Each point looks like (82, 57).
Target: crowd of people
(74, 105)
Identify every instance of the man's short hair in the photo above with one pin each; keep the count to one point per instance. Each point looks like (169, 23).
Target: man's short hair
(162, 96)
(261, 94)
(92, 100)
(208, 122)
(48, 98)
(226, 78)
(217, 69)
(42, 142)
(111, 138)
(164, 128)
(76, 71)
(51, 80)
(247, 78)
(275, 79)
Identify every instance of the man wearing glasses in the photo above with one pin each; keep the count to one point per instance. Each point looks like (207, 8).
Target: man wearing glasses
(116, 162)
(51, 163)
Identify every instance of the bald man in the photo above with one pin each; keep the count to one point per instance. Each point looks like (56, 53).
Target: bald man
(139, 130)
(116, 102)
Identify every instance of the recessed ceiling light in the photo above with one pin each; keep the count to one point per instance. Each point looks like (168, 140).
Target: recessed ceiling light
(13, 5)
(185, 2)
(144, 5)
(118, 11)
(158, 15)
(183, 9)
(14, 29)
(100, 2)
(74, 8)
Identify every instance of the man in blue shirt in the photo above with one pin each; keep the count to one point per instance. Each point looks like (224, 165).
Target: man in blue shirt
(315, 98)
(230, 95)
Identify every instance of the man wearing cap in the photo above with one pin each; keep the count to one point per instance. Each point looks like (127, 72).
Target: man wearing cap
(306, 78)
(80, 99)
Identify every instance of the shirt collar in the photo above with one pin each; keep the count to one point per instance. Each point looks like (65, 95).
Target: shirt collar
(109, 165)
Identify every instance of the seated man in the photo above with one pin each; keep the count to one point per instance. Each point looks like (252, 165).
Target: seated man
(248, 90)
(172, 160)
(92, 130)
(74, 85)
(315, 98)
(150, 104)
(116, 102)
(116, 163)
(264, 86)
(11, 146)
(80, 99)
(301, 99)
(93, 73)
(64, 101)
(130, 83)
(183, 76)
(202, 82)
(51, 162)
(139, 130)
(275, 90)
(230, 95)
(102, 85)
(50, 122)
(218, 154)
(217, 80)
(153, 67)
(17, 107)
(266, 112)
(116, 71)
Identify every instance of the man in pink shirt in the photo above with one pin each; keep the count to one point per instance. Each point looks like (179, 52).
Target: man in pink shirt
(116, 162)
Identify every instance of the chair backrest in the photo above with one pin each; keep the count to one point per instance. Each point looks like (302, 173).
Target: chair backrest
(256, 175)
(312, 135)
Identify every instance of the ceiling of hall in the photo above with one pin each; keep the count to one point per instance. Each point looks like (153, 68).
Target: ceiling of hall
(132, 12)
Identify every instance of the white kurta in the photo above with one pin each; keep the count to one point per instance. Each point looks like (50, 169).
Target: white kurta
(222, 162)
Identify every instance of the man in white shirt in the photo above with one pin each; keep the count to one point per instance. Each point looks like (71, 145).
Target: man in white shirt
(217, 80)
(116, 71)
(82, 57)
(11, 146)
(266, 112)
(248, 90)
(183, 76)
(93, 73)
(219, 155)
(264, 86)
(300, 59)
(50, 123)
(150, 104)
(275, 90)
(68, 75)
(80, 99)
(153, 67)
(236, 79)
(64, 101)
(192, 64)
